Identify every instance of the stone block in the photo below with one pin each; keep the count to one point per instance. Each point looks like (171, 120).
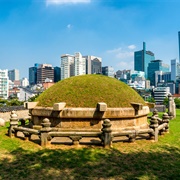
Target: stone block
(102, 107)
(59, 106)
(150, 105)
(2, 122)
(30, 105)
(137, 106)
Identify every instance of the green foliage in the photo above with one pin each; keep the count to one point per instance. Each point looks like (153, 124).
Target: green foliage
(33, 98)
(88, 90)
(177, 102)
(165, 102)
(150, 99)
(12, 102)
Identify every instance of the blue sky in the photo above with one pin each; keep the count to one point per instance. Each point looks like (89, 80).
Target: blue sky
(40, 31)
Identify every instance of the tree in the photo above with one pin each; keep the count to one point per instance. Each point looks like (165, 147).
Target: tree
(177, 102)
(165, 102)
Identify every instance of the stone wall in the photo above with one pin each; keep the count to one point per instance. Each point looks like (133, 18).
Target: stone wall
(21, 114)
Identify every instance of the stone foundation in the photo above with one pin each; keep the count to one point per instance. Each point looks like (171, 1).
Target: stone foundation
(91, 119)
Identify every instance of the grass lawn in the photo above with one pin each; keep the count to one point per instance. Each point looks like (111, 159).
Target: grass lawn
(143, 159)
(88, 90)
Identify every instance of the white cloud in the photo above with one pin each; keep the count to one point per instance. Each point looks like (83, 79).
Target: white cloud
(60, 2)
(69, 26)
(123, 52)
(114, 50)
(132, 47)
(125, 65)
(122, 56)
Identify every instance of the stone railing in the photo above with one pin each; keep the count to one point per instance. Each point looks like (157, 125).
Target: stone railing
(106, 135)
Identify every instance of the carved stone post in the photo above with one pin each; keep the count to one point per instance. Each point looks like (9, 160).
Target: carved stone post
(171, 107)
(165, 119)
(155, 112)
(13, 123)
(44, 132)
(154, 126)
(27, 135)
(106, 133)
(75, 140)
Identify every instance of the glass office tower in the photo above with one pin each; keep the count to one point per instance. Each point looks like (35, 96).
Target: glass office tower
(142, 59)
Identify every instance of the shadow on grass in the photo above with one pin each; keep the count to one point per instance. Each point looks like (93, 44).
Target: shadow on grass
(91, 163)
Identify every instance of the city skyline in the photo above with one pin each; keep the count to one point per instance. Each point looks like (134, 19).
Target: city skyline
(36, 31)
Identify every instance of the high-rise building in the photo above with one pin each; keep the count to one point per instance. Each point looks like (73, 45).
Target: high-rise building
(175, 70)
(79, 64)
(93, 65)
(108, 71)
(162, 77)
(13, 75)
(57, 74)
(45, 71)
(175, 73)
(179, 44)
(67, 66)
(4, 84)
(156, 65)
(33, 74)
(142, 59)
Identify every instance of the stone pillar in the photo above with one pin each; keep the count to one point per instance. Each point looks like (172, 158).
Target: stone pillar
(154, 126)
(13, 123)
(132, 137)
(165, 119)
(27, 135)
(155, 113)
(75, 140)
(44, 132)
(106, 133)
(171, 107)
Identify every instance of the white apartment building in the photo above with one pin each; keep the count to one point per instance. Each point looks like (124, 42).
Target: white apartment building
(160, 93)
(79, 64)
(74, 65)
(24, 82)
(4, 84)
(67, 66)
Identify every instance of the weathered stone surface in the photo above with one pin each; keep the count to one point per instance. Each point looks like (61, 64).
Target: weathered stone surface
(59, 106)
(92, 119)
(102, 107)
(30, 105)
(2, 122)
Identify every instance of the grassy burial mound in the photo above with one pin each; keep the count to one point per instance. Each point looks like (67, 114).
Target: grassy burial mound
(88, 90)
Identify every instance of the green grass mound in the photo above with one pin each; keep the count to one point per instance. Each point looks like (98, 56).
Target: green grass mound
(88, 90)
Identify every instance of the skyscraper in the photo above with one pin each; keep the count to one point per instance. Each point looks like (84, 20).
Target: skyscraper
(13, 75)
(156, 65)
(4, 84)
(142, 59)
(93, 65)
(79, 64)
(33, 74)
(179, 44)
(45, 71)
(67, 66)
(57, 74)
